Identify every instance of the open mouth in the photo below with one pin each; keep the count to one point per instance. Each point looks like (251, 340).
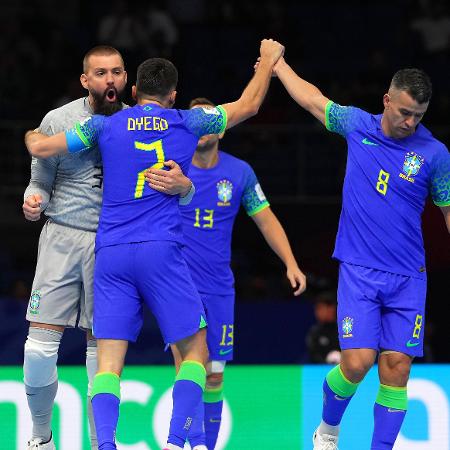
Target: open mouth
(111, 95)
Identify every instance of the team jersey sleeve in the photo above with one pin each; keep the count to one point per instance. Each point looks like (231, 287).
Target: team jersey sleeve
(253, 198)
(84, 135)
(440, 179)
(201, 121)
(43, 170)
(343, 119)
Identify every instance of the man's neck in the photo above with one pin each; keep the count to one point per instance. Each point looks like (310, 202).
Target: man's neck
(206, 159)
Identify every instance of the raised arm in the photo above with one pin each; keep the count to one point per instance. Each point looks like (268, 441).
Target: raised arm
(274, 234)
(253, 95)
(305, 94)
(41, 146)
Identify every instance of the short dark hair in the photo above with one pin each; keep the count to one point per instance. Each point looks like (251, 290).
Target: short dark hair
(100, 50)
(201, 101)
(415, 82)
(156, 77)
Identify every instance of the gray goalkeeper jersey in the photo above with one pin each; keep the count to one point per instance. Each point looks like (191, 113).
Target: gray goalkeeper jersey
(70, 185)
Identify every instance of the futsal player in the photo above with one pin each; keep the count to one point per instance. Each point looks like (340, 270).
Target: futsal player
(138, 255)
(69, 189)
(223, 183)
(393, 164)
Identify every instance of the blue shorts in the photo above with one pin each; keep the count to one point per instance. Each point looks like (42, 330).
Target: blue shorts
(155, 273)
(220, 317)
(380, 310)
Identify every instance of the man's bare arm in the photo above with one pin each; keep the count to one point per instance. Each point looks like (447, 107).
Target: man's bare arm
(446, 211)
(41, 146)
(253, 95)
(274, 234)
(304, 93)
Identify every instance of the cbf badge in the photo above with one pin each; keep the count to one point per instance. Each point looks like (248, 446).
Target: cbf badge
(224, 192)
(411, 166)
(347, 327)
(35, 301)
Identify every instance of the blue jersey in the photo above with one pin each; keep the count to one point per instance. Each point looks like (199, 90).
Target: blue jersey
(208, 220)
(386, 184)
(130, 142)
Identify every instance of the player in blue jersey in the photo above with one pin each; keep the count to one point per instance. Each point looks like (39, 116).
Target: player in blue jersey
(138, 254)
(393, 164)
(223, 183)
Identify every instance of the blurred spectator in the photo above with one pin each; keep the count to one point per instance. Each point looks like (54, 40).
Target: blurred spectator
(322, 338)
(161, 32)
(434, 28)
(122, 29)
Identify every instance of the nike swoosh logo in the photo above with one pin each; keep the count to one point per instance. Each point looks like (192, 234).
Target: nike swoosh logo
(339, 398)
(412, 344)
(367, 142)
(225, 352)
(214, 421)
(395, 410)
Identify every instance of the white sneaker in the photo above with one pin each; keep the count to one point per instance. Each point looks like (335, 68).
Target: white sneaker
(36, 444)
(324, 441)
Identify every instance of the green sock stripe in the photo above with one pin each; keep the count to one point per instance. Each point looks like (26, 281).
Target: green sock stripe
(339, 384)
(192, 371)
(106, 383)
(213, 395)
(393, 397)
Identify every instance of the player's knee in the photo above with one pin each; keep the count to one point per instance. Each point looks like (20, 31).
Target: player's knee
(214, 377)
(395, 368)
(355, 369)
(41, 356)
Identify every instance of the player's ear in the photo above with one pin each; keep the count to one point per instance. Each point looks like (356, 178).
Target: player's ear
(84, 80)
(173, 97)
(133, 92)
(386, 100)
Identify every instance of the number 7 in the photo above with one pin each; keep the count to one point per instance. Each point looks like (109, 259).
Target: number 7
(154, 146)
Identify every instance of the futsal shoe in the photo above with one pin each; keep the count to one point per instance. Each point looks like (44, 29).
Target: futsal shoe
(324, 441)
(37, 444)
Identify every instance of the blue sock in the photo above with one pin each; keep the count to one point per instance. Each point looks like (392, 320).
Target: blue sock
(187, 395)
(213, 418)
(334, 405)
(213, 400)
(105, 406)
(196, 434)
(389, 411)
(388, 422)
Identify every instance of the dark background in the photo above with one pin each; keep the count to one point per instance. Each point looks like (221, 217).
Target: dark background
(350, 50)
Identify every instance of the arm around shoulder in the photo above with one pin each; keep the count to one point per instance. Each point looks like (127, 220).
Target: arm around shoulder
(41, 146)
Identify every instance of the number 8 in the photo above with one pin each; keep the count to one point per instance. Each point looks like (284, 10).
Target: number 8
(383, 179)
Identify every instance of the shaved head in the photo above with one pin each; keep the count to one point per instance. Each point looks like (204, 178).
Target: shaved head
(100, 50)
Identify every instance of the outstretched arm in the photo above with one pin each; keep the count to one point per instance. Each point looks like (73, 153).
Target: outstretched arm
(253, 95)
(274, 234)
(41, 146)
(305, 94)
